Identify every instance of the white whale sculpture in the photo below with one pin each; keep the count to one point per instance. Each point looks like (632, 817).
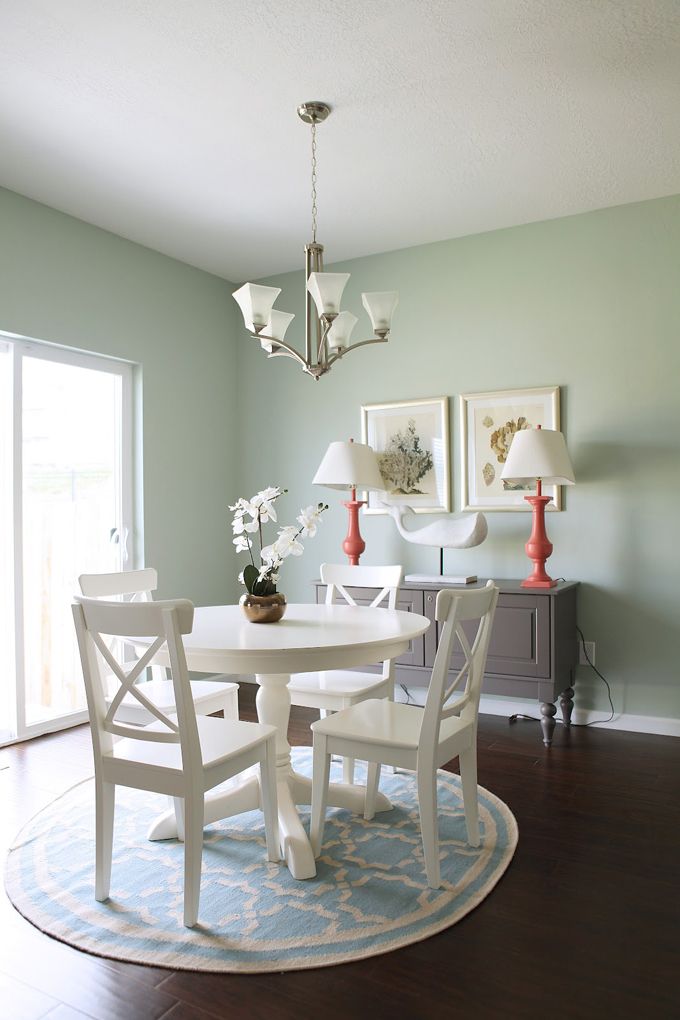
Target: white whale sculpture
(456, 531)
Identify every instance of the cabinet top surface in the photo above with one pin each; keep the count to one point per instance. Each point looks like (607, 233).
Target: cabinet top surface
(506, 586)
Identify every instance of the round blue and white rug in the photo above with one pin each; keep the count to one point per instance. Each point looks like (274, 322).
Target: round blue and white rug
(370, 895)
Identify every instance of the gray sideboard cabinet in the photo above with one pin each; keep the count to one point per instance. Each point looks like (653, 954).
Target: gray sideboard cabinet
(533, 650)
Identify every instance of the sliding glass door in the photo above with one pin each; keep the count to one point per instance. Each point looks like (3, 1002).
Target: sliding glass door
(68, 469)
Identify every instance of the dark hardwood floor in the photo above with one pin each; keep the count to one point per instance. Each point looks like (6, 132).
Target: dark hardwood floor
(584, 923)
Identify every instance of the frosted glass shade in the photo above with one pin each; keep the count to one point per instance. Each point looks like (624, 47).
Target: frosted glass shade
(349, 466)
(326, 289)
(338, 335)
(276, 327)
(380, 305)
(539, 453)
(255, 302)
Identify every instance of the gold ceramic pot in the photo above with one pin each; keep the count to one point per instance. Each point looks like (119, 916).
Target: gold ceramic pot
(263, 608)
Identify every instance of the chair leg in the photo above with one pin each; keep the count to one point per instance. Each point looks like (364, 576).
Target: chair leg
(320, 775)
(348, 771)
(372, 783)
(391, 698)
(468, 782)
(178, 807)
(105, 797)
(193, 856)
(230, 707)
(269, 799)
(427, 805)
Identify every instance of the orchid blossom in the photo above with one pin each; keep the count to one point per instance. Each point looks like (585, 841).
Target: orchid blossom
(249, 516)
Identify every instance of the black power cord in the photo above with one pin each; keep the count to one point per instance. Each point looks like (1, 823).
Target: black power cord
(594, 722)
(409, 698)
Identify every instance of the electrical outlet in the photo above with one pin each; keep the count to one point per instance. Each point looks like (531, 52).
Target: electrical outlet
(589, 649)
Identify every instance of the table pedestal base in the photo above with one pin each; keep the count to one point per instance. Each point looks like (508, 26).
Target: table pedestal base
(273, 706)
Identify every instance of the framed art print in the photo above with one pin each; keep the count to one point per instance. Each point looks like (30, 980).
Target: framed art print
(488, 424)
(411, 440)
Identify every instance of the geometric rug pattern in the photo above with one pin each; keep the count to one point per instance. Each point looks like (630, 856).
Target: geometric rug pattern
(369, 896)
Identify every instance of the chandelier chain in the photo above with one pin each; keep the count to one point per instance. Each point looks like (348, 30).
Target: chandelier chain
(314, 178)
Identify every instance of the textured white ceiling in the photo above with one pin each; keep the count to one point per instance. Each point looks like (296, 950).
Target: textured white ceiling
(173, 123)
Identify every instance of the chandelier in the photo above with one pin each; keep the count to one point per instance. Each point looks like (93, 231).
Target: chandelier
(327, 329)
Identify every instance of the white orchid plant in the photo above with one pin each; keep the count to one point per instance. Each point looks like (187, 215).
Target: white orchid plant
(249, 517)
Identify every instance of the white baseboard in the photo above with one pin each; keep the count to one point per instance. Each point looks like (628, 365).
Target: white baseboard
(622, 721)
(659, 725)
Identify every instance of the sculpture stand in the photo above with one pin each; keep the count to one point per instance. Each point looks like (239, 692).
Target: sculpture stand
(441, 577)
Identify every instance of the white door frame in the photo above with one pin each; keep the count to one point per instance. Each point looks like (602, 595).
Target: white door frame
(27, 347)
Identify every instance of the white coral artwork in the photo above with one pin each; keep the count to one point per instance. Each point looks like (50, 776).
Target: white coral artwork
(405, 462)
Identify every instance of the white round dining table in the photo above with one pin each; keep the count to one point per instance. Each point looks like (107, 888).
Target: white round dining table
(309, 637)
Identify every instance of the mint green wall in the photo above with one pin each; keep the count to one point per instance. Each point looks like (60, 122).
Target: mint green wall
(70, 283)
(590, 303)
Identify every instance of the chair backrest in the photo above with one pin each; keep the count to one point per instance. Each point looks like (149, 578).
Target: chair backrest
(340, 576)
(128, 586)
(161, 624)
(467, 618)
(137, 585)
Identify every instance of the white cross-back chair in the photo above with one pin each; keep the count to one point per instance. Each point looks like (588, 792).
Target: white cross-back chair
(181, 755)
(210, 696)
(422, 739)
(335, 689)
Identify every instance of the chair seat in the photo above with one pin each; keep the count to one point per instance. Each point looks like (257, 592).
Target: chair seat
(380, 722)
(220, 740)
(209, 696)
(341, 683)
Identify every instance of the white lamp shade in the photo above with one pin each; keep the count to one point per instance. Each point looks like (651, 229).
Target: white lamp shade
(276, 327)
(539, 453)
(255, 302)
(341, 330)
(326, 289)
(349, 465)
(380, 305)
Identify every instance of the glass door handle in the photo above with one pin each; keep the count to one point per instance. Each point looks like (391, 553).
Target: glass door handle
(119, 536)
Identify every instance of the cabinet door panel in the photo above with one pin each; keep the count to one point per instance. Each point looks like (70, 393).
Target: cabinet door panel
(520, 640)
(412, 602)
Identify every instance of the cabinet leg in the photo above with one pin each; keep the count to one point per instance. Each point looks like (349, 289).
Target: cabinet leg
(548, 711)
(567, 705)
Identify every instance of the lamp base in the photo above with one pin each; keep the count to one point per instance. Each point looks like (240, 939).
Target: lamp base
(538, 548)
(354, 544)
(529, 583)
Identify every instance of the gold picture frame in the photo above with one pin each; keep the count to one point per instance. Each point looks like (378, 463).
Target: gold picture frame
(411, 439)
(487, 424)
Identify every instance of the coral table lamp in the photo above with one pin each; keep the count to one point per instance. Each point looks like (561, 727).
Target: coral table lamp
(350, 466)
(541, 455)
